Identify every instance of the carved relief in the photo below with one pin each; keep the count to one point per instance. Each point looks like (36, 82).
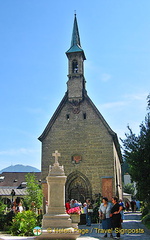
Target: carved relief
(76, 159)
(75, 106)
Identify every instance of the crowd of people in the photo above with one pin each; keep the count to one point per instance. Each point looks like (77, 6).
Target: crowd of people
(133, 205)
(16, 205)
(86, 209)
(110, 214)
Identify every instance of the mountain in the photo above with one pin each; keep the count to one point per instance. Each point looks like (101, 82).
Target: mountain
(20, 168)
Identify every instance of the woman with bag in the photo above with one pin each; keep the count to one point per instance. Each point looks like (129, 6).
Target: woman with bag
(104, 214)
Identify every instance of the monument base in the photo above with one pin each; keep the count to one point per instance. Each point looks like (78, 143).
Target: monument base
(56, 221)
(59, 234)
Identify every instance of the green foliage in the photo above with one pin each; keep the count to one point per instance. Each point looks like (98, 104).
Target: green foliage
(125, 168)
(23, 223)
(148, 102)
(2, 222)
(6, 221)
(146, 220)
(137, 155)
(145, 209)
(2, 206)
(33, 200)
(95, 217)
(129, 188)
(2, 216)
(39, 219)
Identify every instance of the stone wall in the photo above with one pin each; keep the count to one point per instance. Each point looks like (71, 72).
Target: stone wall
(83, 134)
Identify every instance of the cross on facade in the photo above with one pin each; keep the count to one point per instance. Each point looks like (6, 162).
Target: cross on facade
(56, 154)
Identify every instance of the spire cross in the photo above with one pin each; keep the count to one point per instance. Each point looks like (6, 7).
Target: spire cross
(56, 154)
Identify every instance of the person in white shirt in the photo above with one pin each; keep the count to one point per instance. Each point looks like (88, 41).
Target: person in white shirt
(104, 214)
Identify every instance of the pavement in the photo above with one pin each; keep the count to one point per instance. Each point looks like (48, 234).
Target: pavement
(132, 229)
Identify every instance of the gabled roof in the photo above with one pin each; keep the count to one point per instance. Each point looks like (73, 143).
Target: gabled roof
(86, 97)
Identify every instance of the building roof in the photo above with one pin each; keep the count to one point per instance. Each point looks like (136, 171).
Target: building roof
(7, 192)
(15, 179)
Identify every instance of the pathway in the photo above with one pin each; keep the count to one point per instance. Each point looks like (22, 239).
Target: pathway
(132, 229)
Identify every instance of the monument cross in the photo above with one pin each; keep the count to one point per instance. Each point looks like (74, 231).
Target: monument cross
(56, 154)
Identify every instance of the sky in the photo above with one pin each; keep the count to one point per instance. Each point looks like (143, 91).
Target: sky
(34, 36)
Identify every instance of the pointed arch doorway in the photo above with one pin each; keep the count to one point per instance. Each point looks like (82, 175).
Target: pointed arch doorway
(78, 187)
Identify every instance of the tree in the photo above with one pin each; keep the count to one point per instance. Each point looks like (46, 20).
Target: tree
(34, 192)
(137, 155)
(129, 188)
(2, 206)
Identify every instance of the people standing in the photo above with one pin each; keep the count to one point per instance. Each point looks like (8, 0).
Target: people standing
(133, 204)
(122, 211)
(73, 203)
(83, 214)
(127, 206)
(20, 207)
(116, 216)
(104, 214)
(67, 205)
(138, 205)
(89, 212)
(84, 208)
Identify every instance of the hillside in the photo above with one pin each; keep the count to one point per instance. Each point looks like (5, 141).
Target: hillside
(19, 168)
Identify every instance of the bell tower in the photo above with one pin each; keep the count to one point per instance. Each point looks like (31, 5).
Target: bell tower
(76, 57)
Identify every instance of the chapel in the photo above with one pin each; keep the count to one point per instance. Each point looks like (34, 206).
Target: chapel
(89, 148)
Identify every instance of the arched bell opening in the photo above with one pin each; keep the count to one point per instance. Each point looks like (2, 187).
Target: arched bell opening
(75, 66)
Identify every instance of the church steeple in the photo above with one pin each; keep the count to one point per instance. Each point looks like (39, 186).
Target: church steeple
(76, 57)
(75, 41)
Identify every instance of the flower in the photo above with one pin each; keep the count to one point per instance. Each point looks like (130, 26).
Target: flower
(75, 210)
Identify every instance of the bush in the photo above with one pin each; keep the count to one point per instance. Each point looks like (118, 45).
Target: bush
(2, 221)
(145, 209)
(39, 219)
(23, 223)
(146, 220)
(6, 221)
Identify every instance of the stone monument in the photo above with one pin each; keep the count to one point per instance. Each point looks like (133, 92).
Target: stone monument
(56, 216)
(56, 224)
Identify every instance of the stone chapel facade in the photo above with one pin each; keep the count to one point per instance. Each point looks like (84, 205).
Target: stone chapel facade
(90, 151)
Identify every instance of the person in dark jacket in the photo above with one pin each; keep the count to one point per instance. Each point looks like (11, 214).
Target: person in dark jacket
(116, 216)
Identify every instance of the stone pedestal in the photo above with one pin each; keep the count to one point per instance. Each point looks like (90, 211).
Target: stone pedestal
(56, 216)
(75, 218)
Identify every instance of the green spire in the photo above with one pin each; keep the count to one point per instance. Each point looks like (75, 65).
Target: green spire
(75, 41)
(75, 34)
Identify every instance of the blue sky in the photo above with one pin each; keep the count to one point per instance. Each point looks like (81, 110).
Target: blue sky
(34, 36)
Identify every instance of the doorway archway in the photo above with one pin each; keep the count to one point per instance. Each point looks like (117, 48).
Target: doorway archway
(78, 187)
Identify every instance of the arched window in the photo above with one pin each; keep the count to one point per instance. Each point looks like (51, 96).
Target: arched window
(74, 66)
